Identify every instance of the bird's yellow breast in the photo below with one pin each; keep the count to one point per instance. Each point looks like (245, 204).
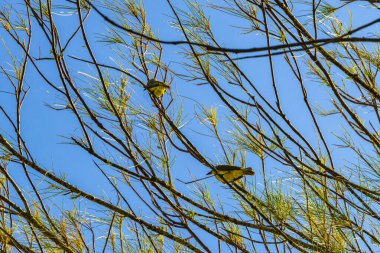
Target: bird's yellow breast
(157, 88)
(229, 176)
(158, 91)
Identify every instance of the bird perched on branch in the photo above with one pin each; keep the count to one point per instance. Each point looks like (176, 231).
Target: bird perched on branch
(229, 173)
(157, 88)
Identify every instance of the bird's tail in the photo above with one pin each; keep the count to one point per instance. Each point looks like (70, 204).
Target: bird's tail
(189, 182)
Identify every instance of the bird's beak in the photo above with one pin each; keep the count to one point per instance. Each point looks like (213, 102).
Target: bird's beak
(250, 172)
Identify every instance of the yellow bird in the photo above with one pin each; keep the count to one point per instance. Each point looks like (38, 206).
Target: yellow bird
(229, 173)
(156, 87)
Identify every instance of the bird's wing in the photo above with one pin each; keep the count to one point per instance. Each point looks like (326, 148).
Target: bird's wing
(153, 84)
(227, 167)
